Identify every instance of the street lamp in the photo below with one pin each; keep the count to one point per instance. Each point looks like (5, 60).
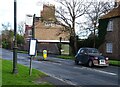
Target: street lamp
(15, 71)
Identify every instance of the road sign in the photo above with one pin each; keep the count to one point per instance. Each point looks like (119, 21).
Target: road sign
(32, 52)
(32, 47)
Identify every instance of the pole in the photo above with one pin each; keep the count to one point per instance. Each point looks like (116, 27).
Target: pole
(15, 71)
(33, 27)
(30, 70)
(60, 45)
(33, 36)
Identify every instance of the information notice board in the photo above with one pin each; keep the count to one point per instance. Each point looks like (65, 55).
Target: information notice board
(32, 47)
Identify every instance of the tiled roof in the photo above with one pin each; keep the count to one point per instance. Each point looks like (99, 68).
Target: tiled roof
(113, 13)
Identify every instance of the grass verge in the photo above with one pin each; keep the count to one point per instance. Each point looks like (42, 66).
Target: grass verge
(22, 78)
(114, 62)
(66, 57)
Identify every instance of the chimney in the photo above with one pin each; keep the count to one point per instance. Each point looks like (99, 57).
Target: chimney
(117, 3)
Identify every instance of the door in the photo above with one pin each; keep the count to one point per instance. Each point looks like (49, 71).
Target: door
(83, 56)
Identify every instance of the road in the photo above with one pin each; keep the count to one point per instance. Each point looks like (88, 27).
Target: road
(67, 71)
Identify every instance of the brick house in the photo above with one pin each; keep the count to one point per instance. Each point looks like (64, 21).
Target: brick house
(48, 31)
(111, 23)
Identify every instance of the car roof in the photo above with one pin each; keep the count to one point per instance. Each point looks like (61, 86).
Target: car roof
(87, 48)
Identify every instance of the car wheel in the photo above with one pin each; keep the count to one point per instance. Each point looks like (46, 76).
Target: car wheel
(76, 62)
(90, 63)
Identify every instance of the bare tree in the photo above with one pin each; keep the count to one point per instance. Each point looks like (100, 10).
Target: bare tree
(21, 27)
(68, 12)
(96, 10)
(6, 26)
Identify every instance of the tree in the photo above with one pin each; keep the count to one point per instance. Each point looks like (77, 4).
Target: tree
(7, 39)
(96, 10)
(8, 35)
(6, 26)
(21, 27)
(68, 13)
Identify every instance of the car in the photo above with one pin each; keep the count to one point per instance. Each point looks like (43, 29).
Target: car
(91, 57)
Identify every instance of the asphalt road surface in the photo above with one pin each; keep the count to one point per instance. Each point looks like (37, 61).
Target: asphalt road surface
(67, 71)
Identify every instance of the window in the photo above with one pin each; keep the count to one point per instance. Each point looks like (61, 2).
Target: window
(49, 24)
(109, 47)
(82, 51)
(110, 26)
(29, 32)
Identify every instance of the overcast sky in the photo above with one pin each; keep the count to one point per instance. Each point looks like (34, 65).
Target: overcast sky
(23, 7)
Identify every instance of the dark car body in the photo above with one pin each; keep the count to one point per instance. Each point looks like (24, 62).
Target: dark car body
(91, 57)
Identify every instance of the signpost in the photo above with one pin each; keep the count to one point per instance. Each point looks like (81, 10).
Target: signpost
(32, 52)
(33, 42)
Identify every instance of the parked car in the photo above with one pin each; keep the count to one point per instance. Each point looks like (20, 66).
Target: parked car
(91, 57)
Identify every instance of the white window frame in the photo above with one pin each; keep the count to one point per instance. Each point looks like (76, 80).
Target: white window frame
(49, 24)
(110, 25)
(109, 47)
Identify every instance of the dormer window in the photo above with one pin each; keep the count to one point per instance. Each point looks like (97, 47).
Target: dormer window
(110, 26)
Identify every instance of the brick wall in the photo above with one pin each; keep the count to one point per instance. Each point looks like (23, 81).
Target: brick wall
(113, 37)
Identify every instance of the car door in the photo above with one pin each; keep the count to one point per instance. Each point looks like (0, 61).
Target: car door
(84, 56)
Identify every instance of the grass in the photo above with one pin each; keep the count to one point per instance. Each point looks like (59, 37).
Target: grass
(22, 78)
(25, 52)
(66, 57)
(114, 62)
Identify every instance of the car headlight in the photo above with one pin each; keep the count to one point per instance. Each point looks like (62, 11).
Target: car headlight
(107, 58)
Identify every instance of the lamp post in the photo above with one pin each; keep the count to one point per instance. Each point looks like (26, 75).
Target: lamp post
(15, 71)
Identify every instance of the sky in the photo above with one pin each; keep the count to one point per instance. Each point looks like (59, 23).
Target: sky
(23, 7)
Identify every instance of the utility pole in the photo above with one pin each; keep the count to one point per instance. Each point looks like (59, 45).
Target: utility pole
(15, 71)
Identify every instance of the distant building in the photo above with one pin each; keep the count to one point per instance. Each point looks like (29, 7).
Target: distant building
(48, 32)
(111, 23)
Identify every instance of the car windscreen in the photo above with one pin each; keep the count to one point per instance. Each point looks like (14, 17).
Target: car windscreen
(93, 51)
